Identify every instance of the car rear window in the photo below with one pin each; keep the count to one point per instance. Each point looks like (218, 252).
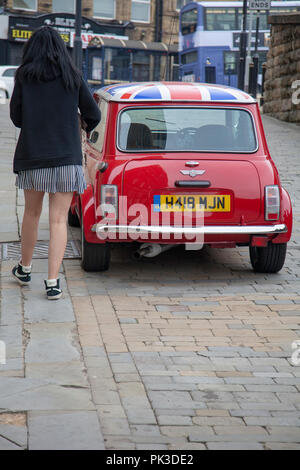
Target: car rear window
(186, 129)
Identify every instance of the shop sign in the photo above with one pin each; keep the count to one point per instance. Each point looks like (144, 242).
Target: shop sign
(88, 37)
(22, 34)
(21, 28)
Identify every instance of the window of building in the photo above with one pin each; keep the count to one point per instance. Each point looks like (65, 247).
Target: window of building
(174, 68)
(181, 3)
(140, 11)
(189, 57)
(262, 58)
(141, 66)
(189, 20)
(116, 65)
(262, 20)
(25, 4)
(220, 19)
(63, 6)
(105, 9)
(97, 69)
(230, 62)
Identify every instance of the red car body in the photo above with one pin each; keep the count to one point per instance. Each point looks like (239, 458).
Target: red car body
(143, 175)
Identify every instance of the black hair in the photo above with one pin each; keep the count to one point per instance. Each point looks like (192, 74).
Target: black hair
(45, 57)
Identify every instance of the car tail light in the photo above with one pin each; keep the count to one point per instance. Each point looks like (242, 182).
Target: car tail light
(96, 97)
(272, 202)
(109, 200)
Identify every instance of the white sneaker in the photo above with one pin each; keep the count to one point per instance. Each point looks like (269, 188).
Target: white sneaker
(53, 290)
(22, 274)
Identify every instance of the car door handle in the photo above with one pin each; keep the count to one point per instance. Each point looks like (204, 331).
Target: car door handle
(192, 184)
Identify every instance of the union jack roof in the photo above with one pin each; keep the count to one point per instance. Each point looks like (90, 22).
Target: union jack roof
(173, 91)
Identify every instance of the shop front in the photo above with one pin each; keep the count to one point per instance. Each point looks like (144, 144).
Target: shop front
(20, 28)
(109, 61)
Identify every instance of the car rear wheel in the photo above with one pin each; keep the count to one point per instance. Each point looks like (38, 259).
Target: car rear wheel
(269, 259)
(94, 256)
(73, 219)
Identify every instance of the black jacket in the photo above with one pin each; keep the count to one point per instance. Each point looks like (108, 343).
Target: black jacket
(48, 117)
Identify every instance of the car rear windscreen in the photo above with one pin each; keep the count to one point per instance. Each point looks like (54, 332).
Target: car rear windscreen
(186, 129)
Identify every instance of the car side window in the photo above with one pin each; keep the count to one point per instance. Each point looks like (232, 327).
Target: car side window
(97, 135)
(9, 73)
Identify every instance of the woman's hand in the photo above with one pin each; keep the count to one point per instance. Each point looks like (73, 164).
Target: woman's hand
(83, 124)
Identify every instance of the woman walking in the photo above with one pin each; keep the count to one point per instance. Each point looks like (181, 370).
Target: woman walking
(48, 158)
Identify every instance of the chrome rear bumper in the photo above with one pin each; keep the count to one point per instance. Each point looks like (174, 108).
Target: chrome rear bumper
(206, 229)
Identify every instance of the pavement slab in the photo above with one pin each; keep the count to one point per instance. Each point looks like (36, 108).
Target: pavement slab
(64, 431)
(51, 342)
(189, 350)
(15, 434)
(7, 444)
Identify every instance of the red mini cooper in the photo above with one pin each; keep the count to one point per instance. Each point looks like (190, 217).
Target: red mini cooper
(180, 163)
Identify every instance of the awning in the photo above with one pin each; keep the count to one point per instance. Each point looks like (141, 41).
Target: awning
(130, 44)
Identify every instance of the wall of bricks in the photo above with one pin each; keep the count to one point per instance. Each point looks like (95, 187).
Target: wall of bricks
(141, 31)
(170, 22)
(283, 68)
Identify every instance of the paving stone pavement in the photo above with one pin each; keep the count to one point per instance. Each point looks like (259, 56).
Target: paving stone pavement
(185, 351)
(45, 395)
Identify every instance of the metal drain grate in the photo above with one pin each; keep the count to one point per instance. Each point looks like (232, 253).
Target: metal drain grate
(12, 250)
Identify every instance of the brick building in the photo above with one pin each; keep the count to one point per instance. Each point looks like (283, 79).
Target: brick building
(137, 39)
(151, 20)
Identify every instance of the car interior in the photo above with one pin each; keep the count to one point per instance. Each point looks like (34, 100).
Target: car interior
(211, 137)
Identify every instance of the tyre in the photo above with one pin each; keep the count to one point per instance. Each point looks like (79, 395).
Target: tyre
(269, 259)
(73, 220)
(94, 256)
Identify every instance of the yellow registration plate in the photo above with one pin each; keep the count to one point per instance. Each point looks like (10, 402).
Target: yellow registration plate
(199, 202)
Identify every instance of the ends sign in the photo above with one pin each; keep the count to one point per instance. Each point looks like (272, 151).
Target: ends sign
(259, 4)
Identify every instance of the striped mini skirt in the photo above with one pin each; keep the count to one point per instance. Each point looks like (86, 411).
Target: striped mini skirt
(67, 178)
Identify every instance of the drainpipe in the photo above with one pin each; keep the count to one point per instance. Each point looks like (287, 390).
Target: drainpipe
(77, 41)
(158, 36)
(158, 20)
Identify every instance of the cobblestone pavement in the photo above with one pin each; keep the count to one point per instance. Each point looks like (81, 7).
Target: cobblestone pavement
(184, 351)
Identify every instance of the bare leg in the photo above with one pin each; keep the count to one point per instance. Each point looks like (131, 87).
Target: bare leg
(30, 224)
(59, 204)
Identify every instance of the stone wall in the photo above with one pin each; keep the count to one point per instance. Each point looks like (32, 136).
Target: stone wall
(283, 68)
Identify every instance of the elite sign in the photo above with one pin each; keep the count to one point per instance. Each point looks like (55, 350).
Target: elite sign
(259, 4)
(21, 28)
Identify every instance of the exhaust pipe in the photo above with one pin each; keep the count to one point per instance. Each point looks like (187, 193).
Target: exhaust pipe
(150, 250)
